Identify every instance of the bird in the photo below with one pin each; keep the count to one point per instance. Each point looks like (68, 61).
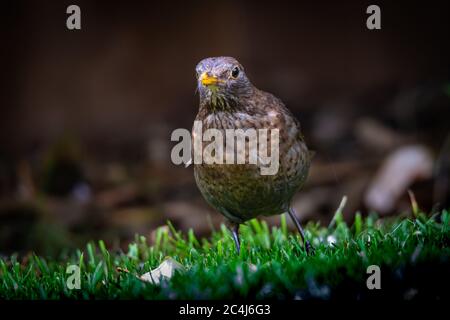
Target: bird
(228, 100)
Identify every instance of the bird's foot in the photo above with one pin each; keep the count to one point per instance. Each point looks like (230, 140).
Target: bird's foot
(235, 234)
(310, 251)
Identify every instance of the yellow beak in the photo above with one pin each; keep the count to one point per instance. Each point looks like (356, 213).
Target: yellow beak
(207, 80)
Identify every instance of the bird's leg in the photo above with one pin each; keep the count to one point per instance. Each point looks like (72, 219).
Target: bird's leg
(307, 245)
(235, 232)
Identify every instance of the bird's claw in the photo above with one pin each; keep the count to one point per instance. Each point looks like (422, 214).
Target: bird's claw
(310, 251)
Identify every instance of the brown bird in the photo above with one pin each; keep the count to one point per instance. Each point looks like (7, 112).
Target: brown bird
(228, 100)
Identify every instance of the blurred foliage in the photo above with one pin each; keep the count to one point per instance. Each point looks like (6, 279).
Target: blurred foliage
(62, 167)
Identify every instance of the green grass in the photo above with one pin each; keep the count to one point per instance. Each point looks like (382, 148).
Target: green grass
(413, 254)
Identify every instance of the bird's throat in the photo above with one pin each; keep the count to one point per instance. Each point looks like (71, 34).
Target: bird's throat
(216, 102)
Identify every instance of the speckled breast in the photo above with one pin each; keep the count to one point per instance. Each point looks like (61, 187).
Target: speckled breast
(239, 191)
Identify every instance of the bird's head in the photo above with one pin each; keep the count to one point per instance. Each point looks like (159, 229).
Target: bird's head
(222, 83)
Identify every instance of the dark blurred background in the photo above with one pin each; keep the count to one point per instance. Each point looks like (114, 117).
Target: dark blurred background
(86, 116)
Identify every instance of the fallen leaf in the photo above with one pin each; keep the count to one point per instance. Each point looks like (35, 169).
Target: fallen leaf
(399, 171)
(164, 271)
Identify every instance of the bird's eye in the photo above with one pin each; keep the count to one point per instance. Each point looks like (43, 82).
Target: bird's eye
(235, 72)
